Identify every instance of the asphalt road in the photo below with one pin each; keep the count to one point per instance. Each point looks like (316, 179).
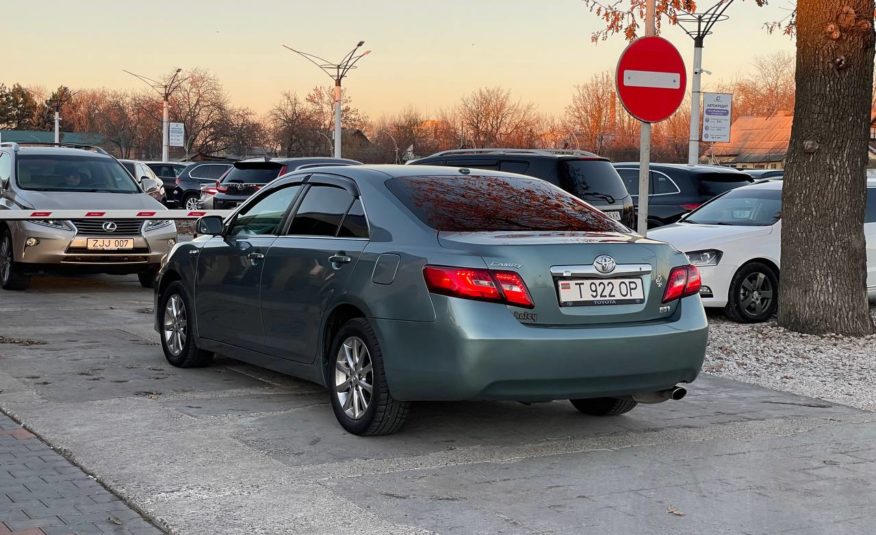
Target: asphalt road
(235, 449)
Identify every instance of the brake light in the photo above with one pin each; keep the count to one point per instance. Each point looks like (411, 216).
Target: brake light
(220, 188)
(683, 281)
(283, 170)
(691, 206)
(211, 190)
(480, 284)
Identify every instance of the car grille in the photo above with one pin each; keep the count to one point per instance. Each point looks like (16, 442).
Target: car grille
(94, 227)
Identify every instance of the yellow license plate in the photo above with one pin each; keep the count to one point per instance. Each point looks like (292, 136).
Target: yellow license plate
(110, 244)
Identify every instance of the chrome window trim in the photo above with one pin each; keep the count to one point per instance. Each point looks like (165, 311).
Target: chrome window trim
(590, 271)
(677, 189)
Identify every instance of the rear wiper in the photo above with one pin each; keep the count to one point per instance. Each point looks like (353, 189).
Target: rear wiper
(603, 196)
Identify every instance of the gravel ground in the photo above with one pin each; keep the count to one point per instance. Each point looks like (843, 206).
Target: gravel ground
(833, 368)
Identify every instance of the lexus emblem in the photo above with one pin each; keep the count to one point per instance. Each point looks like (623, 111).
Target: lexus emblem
(604, 263)
(110, 226)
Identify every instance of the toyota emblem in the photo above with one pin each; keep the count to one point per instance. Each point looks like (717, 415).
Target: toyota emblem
(110, 226)
(604, 263)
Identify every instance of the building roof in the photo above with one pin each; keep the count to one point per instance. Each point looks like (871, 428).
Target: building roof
(756, 139)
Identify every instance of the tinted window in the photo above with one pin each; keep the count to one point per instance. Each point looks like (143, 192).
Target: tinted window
(321, 211)
(130, 167)
(514, 167)
(253, 174)
(265, 216)
(712, 184)
(630, 178)
(74, 173)
(211, 171)
(748, 207)
(489, 203)
(870, 216)
(354, 224)
(593, 180)
(5, 165)
(662, 184)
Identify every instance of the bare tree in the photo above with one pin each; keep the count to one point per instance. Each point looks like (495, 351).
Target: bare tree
(296, 129)
(201, 105)
(490, 118)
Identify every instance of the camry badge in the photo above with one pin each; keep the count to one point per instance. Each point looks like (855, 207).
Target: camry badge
(604, 263)
(110, 226)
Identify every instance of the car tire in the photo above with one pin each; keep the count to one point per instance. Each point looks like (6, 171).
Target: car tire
(354, 360)
(748, 300)
(177, 342)
(604, 406)
(147, 278)
(191, 199)
(11, 275)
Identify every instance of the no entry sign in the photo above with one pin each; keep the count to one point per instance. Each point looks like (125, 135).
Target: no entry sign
(651, 79)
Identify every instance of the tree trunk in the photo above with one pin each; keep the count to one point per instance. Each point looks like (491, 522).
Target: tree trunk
(823, 264)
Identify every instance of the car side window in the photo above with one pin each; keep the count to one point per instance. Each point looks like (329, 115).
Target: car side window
(354, 224)
(321, 211)
(662, 184)
(266, 215)
(5, 166)
(210, 171)
(631, 179)
(870, 214)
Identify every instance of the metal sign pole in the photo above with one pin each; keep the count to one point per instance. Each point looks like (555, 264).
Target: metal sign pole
(645, 139)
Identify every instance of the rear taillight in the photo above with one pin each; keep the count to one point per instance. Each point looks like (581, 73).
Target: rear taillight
(283, 170)
(211, 190)
(691, 206)
(176, 181)
(220, 188)
(481, 284)
(682, 282)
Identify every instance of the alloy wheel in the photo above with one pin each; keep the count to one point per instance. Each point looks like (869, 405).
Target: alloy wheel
(756, 294)
(192, 203)
(5, 258)
(175, 325)
(354, 377)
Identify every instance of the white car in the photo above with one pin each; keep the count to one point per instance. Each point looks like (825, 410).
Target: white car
(735, 241)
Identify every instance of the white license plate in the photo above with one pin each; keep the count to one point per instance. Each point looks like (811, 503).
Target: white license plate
(613, 215)
(110, 244)
(601, 291)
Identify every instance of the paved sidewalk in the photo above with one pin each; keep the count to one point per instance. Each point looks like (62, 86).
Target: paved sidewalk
(42, 493)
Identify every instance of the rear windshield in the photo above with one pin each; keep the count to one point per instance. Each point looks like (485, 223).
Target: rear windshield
(491, 203)
(74, 173)
(260, 173)
(593, 180)
(748, 207)
(712, 184)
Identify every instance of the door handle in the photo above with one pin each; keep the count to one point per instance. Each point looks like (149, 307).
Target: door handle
(255, 256)
(340, 258)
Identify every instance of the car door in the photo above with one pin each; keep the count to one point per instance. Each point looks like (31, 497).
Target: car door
(230, 269)
(870, 238)
(309, 267)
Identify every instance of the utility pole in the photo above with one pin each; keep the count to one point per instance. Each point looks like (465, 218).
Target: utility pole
(337, 72)
(165, 89)
(64, 96)
(698, 26)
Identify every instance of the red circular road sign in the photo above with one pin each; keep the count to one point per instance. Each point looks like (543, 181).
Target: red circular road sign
(651, 79)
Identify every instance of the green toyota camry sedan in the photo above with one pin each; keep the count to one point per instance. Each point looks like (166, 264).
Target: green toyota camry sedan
(395, 284)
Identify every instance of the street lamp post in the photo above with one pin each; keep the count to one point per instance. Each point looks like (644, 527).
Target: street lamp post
(337, 72)
(63, 98)
(698, 26)
(165, 90)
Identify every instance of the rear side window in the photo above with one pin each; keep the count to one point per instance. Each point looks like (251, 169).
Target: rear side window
(712, 184)
(253, 174)
(662, 184)
(211, 171)
(490, 203)
(630, 178)
(514, 167)
(354, 224)
(592, 180)
(321, 211)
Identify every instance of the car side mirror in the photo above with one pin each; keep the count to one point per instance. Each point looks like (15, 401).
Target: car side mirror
(212, 225)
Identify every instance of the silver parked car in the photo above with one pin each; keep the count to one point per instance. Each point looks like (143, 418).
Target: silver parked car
(149, 181)
(49, 177)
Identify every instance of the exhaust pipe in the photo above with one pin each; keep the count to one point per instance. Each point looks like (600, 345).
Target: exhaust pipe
(675, 393)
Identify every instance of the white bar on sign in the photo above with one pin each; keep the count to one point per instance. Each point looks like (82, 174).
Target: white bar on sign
(660, 80)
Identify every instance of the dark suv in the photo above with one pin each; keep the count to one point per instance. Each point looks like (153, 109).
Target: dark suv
(188, 186)
(676, 189)
(248, 176)
(583, 174)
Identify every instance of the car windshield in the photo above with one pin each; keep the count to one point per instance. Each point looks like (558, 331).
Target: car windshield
(253, 173)
(74, 173)
(492, 203)
(748, 207)
(595, 180)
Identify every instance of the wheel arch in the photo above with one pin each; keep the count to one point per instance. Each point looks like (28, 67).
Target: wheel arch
(760, 260)
(340, 314)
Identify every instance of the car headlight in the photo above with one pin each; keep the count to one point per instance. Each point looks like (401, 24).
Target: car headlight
(708, 257)
(54, 223)
(154, 224)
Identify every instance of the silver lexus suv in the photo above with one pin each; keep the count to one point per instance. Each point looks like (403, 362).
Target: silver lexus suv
(56, 177)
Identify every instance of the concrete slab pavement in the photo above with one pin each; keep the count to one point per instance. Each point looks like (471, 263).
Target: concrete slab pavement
(235, 449)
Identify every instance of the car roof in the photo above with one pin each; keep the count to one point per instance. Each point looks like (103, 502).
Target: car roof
(703, 168)
(777, 184)
(60, 151)
(156, 162)
(531, 154)
(301, 160)
(385, 171)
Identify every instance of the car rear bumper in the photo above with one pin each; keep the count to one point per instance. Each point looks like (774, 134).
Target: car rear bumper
(480, 351)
